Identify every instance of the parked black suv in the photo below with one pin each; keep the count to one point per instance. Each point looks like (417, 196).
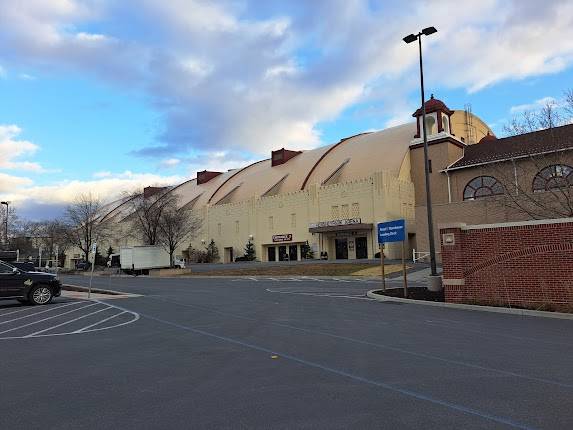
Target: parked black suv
(36, 288)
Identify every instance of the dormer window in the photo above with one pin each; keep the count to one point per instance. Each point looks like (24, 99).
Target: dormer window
(281, 156)
(206, 176)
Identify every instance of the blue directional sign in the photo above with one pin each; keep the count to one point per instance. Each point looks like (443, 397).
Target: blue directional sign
(392, 231)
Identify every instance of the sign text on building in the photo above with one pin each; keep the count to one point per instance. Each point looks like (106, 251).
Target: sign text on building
(282, 237)
(335, 223)
(391, 231)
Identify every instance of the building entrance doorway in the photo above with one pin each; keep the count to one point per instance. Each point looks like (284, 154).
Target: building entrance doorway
(341, 246)
(271, 253)
(293, 252)
(361, 247)
(229, 255)
(283, 256)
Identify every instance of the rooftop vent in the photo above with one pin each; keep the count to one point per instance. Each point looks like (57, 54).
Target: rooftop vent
(282, 155)
(150, 191)
(205, 176)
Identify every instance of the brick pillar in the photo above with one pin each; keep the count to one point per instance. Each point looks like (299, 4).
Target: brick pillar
(451, 239)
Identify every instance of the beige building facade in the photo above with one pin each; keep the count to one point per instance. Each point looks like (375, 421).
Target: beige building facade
(331, 198)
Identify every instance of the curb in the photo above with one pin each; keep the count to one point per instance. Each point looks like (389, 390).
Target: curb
(112, 293)
(512, 311)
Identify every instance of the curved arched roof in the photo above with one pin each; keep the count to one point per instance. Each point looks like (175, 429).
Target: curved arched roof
(354, 157)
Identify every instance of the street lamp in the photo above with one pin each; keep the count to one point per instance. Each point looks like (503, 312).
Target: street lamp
(6, 221)
(409, 39)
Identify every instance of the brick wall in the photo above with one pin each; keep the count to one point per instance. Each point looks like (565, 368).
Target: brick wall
(526, 264)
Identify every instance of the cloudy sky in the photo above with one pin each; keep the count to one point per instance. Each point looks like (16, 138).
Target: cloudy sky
(107, 95)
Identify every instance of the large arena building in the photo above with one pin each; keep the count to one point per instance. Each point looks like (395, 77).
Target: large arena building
(329, 198)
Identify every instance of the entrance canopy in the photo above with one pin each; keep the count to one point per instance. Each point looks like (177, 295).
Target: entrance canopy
(347, 227)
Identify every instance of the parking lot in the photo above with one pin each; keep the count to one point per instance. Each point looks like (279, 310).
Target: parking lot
(266, 352)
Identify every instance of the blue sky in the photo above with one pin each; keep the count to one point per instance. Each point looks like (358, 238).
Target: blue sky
(107, 96)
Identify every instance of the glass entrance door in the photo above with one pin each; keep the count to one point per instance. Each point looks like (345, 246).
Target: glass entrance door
(341, 249)
(271, 253)
(293, 252)
(283, 253)
(361, 247)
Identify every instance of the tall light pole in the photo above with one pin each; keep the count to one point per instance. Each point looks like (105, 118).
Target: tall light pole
(409, 39)
(6, 222)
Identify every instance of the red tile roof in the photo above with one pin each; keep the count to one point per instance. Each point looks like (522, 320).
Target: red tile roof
(521, 145)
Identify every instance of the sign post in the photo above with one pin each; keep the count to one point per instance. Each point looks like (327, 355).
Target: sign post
(94, 250)
(382, 265)
(393, 231)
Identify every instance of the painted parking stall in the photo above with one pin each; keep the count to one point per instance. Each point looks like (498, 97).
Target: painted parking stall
(63, 318)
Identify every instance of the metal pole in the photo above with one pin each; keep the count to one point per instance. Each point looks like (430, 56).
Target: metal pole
(427, 169)
(94, 251)
(404, 270)
(382, 266)
(6, 223)
(6, 229)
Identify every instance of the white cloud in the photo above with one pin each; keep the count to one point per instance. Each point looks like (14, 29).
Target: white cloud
(103, 174)
(107, 188)
(26, 77)
(170, 162)
(90, 37)
(12, 149)
(537, 104)
(3, 73)
(227, 80)
(9, 183)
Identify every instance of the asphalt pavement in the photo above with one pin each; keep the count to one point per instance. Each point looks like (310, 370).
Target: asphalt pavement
(260, 353)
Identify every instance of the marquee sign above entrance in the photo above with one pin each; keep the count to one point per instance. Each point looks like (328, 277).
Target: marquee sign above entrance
(335, 223)
(282, 237)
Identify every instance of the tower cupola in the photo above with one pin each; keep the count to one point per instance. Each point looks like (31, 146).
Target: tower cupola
(437, 118)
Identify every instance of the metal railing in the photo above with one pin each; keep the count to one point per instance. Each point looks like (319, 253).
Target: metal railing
(421, 255)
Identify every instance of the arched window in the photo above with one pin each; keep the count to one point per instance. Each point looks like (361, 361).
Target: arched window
(430, 125)
(445, 124)
(556, 176)
(482, 186)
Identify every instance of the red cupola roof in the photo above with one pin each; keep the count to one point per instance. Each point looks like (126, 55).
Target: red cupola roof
(433, 105)
(488, 138)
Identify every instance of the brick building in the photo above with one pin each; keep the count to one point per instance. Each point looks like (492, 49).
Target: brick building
(517, 178)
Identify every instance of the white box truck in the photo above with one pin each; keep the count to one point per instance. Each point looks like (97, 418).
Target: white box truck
(143, 257)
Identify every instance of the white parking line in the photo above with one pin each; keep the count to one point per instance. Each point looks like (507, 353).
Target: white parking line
(50, 308)
(101, 322)
(20, 310)
(67, 322)
(46, 319)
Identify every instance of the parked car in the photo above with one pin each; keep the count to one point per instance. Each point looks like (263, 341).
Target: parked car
(25, 266)
(35, 288)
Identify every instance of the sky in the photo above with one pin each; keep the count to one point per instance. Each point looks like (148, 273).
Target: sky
(107, 96)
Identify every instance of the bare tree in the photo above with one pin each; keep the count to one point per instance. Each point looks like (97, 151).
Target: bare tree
(551, 114)
(52, 235)
(569, 103)
(83, 222)
(526, 122)
(517, 177)
(548, 190)
(176, 225)
(14, 224)
(146, 215)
